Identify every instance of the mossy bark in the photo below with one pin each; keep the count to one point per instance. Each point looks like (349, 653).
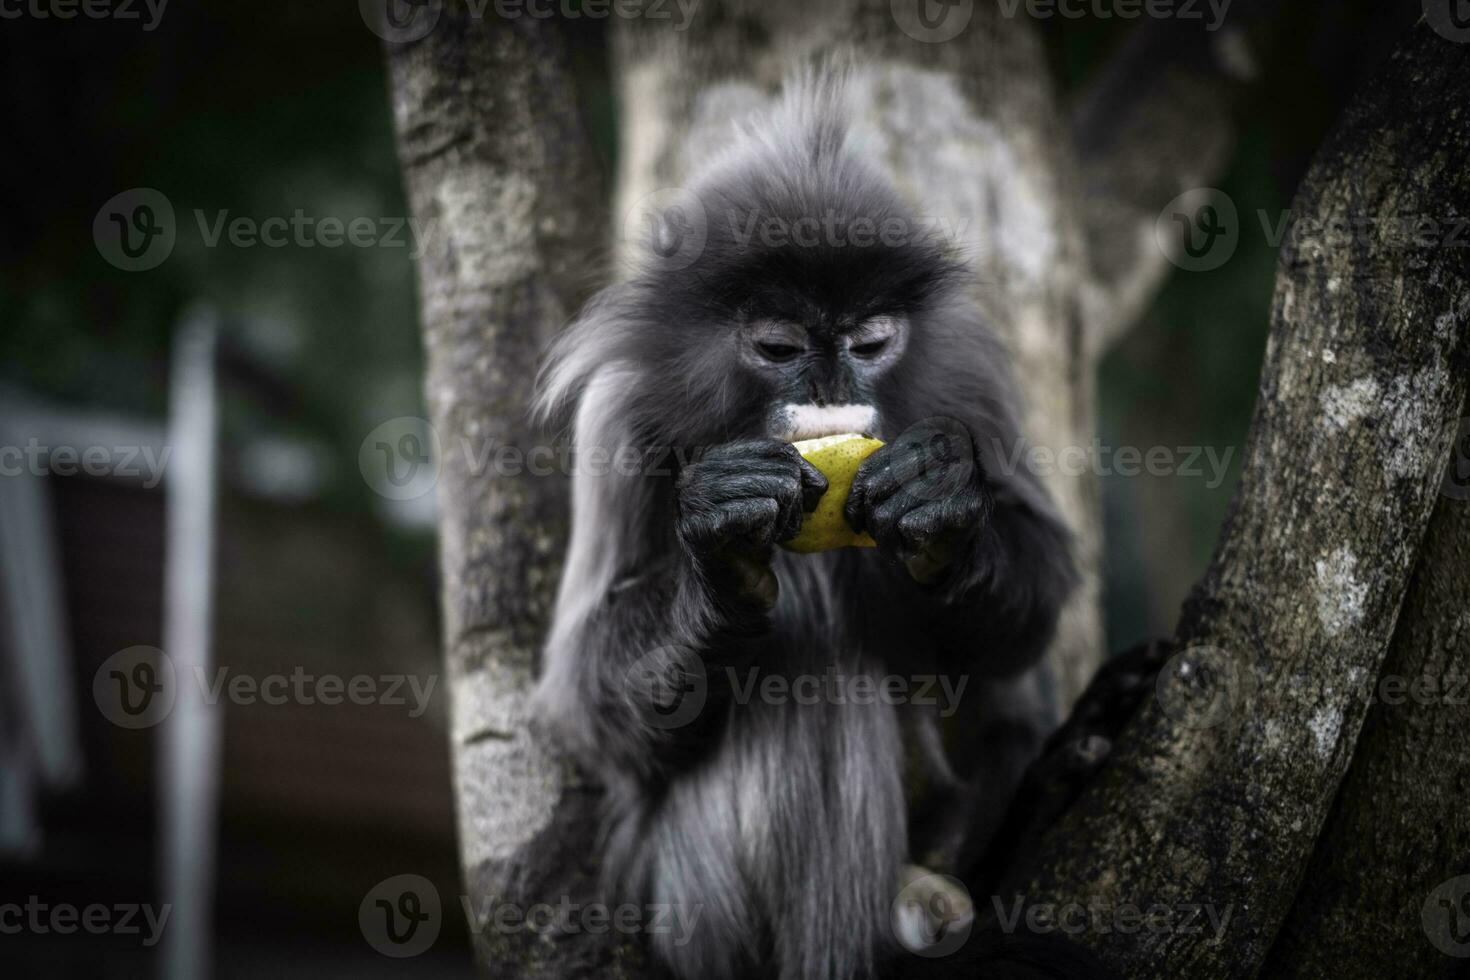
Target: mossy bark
(1215, 794)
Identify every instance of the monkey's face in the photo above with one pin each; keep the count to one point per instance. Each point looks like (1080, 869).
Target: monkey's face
(821, 376)
(794, 320)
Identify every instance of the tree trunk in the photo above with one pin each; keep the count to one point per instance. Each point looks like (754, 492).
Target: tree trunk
(1215, 794)
(501, 173)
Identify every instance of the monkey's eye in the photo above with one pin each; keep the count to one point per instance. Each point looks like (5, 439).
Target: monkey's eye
(874, 338)
(774, 341)
(776, 351)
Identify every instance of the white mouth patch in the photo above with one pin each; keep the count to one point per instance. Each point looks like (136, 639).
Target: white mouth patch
(814, 421)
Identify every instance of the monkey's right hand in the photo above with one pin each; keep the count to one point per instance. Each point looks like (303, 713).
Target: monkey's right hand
(737, 502)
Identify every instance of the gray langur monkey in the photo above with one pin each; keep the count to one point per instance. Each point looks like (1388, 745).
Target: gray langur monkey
(813, 303)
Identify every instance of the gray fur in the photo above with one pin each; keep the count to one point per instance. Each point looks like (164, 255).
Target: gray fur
(786, 824)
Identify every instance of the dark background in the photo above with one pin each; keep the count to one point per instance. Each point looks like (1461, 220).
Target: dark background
(262, 109)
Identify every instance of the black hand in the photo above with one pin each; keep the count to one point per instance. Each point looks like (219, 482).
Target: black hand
(738, 501)
(922, 497)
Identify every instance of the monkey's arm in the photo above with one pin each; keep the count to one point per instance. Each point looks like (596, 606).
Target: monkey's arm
(1001, 595)
(638, 676)
(646, 677)
(993, 563)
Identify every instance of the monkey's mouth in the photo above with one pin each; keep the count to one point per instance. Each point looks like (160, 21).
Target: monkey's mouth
(794, 423)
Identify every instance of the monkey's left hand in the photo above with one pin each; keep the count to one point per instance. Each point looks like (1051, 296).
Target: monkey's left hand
(923, 497)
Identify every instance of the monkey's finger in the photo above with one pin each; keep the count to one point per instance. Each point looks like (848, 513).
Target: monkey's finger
(746, 451)
(875, 482)
(725, 470)
(787, 494)
(753, 520)
(706, 490)
(883, 521)
(881, 474)
(856, 507)
(792, 511)
(788, 524)
(922, 524)
(746, 520)
(813, 485)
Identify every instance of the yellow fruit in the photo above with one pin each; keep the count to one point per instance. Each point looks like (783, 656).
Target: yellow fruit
(838, 457)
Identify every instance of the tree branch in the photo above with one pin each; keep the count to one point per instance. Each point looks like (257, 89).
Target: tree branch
(1158, 121)
(1401, 808)
(1215, 792)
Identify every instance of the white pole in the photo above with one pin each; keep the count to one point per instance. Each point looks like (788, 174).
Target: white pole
(189, 737)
